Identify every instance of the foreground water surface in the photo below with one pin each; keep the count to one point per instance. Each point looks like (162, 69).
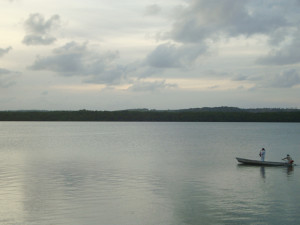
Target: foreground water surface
(147, 173)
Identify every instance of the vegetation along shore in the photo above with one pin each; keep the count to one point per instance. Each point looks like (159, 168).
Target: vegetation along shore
(214, 114)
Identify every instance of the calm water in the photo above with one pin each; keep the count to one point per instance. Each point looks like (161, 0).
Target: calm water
(147, 173)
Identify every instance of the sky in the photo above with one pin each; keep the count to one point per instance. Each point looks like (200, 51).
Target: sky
(167, 54)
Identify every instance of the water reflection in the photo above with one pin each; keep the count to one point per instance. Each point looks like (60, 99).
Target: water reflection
(289, 170)
(262, 169)
(263, 172)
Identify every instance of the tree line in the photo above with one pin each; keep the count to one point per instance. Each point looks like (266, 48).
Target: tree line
(151, 115)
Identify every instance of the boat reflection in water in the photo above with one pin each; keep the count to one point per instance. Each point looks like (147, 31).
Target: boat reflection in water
(285, 169)
(263, 172)
(290, 170)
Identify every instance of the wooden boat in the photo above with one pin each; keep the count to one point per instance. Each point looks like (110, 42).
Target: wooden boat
(262, 163)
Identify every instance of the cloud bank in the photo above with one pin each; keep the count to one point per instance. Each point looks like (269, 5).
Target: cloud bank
(234, 48)
(198, 26)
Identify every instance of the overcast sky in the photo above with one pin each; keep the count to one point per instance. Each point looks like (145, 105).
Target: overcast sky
(167, 54)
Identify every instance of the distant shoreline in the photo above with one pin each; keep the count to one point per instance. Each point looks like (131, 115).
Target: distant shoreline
(217, 114)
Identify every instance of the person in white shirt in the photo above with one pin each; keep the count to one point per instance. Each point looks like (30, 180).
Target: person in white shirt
(262, 154)
(289, 159)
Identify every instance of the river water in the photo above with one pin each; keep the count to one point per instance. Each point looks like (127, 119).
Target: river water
(136, 173)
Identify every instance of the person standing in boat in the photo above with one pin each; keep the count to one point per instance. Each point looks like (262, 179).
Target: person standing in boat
(289, 159)
(262, 154)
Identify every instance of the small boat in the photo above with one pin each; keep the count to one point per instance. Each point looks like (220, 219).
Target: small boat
(262, 163)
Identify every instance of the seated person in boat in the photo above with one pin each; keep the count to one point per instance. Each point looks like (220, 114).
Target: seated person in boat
(289, 159)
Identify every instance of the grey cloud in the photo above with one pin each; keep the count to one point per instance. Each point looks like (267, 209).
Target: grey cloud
(36, 23)
(214, 87)
(240, 77)
(4, 51)
(112, 76)
(72, 48)
(202, 19)
(285, 40)
(4, 71)
(201, 22)
(286, 79)
(285, 55)
(171, 56)
(68, 60)
(6, 82)
(152, 10)
(278, 36)
(33, 39)
(66, 64)
(247, 77)
(283, 79)
(141, 86)
(165, 55)
(39, 29)
(215, 73)
(7, 78)
(148, 71)
(45, 93)
(75, 59)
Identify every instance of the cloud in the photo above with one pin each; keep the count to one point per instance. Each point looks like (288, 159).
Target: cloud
(4, 71)
(7, 78)
(283, 37)
(77, 59)
(67, 60)
(39, 29)
(286, 55)
(6, 82)
(141, 86)
(152, 10)
(4, 51)
(286, 79)
(164, 56)
(201, 20)
(34, 39)
(114, 75)
(169, 55)
(200, 24)
(74, 59)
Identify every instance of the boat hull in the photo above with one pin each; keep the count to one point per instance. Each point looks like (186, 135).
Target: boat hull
(261, 163)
